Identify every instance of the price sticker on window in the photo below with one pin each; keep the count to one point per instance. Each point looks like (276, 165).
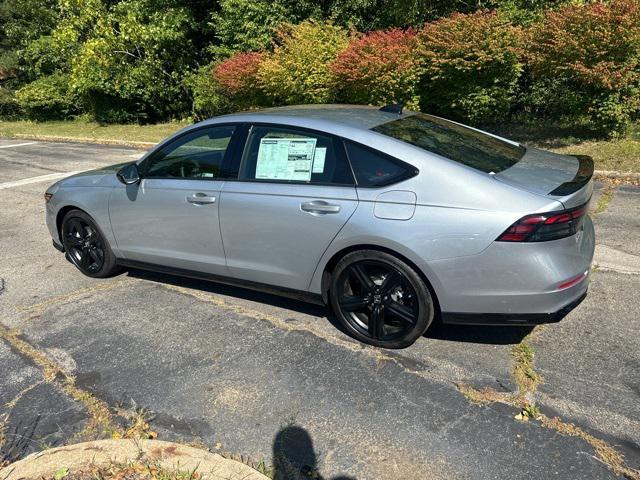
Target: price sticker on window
(285, 159)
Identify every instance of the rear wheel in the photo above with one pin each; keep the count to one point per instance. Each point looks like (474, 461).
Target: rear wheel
(380, 299)
(86, 247)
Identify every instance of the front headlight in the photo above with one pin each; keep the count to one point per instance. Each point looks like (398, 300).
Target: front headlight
(47, 197)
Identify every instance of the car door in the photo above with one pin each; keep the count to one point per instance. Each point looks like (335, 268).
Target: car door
(293, 194)
(170, 217)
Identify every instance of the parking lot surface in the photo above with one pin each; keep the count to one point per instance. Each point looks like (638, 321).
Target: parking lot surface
(271, 379)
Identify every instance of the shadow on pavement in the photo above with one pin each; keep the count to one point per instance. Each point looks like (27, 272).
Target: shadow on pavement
(294, 456)
(241, 293)
(232, 291)
(492, 335)
(455, 333)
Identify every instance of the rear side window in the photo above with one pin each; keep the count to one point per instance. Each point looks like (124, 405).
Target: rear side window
(455, 142)
(375, 169)
(281, 154)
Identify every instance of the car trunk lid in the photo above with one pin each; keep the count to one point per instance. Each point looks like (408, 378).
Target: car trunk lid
(566, 178)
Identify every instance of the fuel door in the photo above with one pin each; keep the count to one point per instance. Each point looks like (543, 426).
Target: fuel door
(395, 205)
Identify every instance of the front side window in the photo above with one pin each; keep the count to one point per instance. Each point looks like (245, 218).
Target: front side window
(196, 155)
(455, 142)
(291, 155)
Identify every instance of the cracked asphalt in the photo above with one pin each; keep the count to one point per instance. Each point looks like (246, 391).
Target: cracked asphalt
(231, 369)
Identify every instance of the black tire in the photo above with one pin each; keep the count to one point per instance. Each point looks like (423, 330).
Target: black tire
(380, 300)
(86, 247)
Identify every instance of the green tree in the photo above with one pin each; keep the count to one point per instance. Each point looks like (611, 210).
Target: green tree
(47, 98)
(471, 66)
(21, 22)
(247, 25)
(298, 69)
(590, 55)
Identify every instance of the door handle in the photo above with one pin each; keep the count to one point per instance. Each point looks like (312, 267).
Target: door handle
(320, 207)
(200, 199)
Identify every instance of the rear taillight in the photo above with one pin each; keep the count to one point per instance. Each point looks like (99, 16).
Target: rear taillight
(542, 227)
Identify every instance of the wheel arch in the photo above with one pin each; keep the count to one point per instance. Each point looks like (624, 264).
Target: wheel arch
(336, 257)
(61, 214)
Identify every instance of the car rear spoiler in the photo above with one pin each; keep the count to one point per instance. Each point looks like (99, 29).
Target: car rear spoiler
(583, 175)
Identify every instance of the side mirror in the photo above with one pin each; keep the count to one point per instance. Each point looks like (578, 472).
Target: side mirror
(129, 174)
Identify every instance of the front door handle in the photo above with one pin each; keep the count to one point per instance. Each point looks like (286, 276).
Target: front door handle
(320, 207)
(200, 199)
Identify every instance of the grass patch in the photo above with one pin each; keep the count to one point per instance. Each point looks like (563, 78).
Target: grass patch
(483, 397)
(604, 200)
(140, 470)
(622, 155)
(524, 373)
(81, 129)
(4, 460)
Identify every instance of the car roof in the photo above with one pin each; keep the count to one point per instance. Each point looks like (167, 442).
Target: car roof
(356, 116)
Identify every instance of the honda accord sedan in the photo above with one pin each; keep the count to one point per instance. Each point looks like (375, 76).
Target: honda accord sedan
(394, 219)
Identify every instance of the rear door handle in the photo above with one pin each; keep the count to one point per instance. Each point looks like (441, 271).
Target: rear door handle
(320, 207)
(200, 199)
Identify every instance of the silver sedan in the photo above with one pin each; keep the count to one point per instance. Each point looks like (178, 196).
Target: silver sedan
(394, 219)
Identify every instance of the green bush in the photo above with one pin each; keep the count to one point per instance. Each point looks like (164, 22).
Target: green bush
(106, 108)
(47, 98)
(237, 78)
(380, 67)
(298, 69)
(131, 66)
(208, 99)
(9, 107)
(593, 51)
(471, 65)
(247, 25)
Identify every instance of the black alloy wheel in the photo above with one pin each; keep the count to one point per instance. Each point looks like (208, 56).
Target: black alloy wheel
(85, 246)
(380, 299)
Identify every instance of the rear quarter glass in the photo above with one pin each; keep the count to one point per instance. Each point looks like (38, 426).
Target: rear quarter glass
(376, 169)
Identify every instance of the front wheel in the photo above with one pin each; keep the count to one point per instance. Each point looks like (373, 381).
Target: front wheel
(86, 247)
(380, 299)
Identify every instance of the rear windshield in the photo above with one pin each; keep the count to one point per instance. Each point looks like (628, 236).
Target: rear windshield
(461, 144)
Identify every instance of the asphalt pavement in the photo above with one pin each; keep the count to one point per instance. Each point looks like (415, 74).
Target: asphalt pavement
(271, 379)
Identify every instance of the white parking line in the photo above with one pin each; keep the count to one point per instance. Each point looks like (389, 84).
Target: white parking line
(41, 178)
(18, 145)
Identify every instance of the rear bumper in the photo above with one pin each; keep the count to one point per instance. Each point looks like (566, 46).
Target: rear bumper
(500, 319)
(516, 279)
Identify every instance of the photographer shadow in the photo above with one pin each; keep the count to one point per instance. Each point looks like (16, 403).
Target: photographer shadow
(294, 457)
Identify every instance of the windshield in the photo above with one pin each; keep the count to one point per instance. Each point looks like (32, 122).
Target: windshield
(456, 142)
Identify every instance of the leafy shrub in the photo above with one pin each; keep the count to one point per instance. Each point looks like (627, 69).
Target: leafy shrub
(9, 107)
(246, 25)
(593, 49)
(379, 68)
(298, 69)
(128, 59)
(105, 107)
(238, 78)
(471, 66)
(47, 98)
(208, 98)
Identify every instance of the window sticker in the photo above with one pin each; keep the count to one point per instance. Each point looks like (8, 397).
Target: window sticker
(318, 160)
(285, 159)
